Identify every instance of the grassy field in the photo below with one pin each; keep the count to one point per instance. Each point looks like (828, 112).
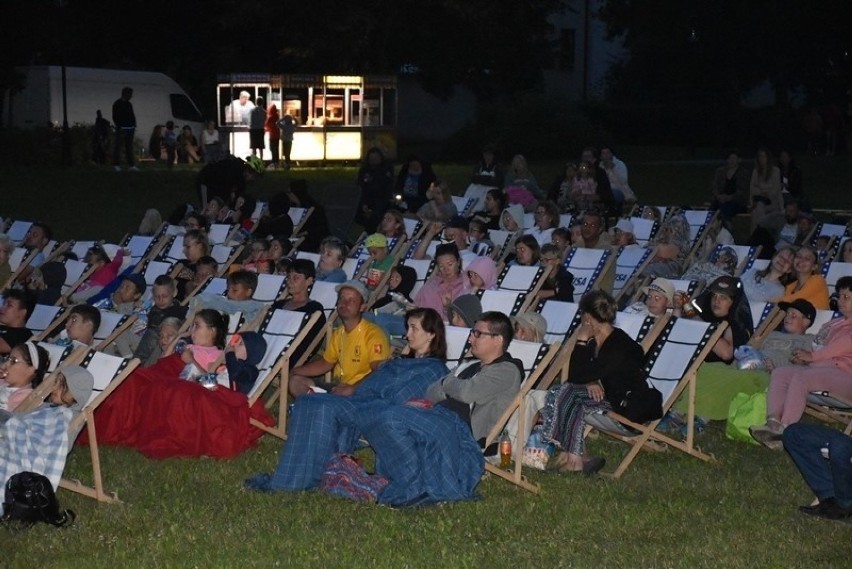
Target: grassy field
(668, 510)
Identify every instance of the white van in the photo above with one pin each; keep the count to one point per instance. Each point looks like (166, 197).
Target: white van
(157, 98)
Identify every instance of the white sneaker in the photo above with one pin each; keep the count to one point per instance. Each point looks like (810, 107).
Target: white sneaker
(134, 169)
(117, 168)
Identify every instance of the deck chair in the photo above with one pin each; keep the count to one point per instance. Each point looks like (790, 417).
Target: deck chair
(745, 256)
(142, 247)
(671, 365)
(477, 192)
(587, 266)
(59, 356)
(325, 294)
(563, 318)
(150, 270)
(313, 257)
(504, 242)
(698, 217)
(833, 271)
(354, 267)
(518, 278)
(841, 243)
(423, 268)
(506, 301)
(299, 215)
(458, 344)
(629, 264)
(112, 326)
(644, 230)
(109, 372)
(225, 255)
(691, 287)
(822, 316)
(643, 329)
(464, 206)
(44, 319)
(565, 220)
(829, 230)
(536, 359)
(269, 287)
(766, 317)
(18, 261)
(413, 228)
(172, 250)
(220, 233)
(76, 272)
(284, 331)
(17, 230)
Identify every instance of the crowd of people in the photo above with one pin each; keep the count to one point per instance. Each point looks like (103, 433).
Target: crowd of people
(422, 418)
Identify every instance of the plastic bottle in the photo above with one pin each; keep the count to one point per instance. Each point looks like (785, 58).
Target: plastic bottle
(505, 450)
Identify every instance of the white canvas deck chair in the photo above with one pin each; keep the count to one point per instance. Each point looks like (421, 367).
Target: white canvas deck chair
(220, 233)
(18, 261)
(325, 294)
(172, 250)
(59, 356)
(142, 247)
(299, 215)
(671, 365)
(504, 242)
(269, 287)
(458, 344)
(413, 228)
(841, 243)
(464, 205)
(833, 271)
(150, 270)
(112, 326)
(45, 319)
(699, 217)
(109, 372)
(563, 318)
(354, 267)
(644, 329)
(17, 230)
(518, 278)
(477, 192)
(284, 331)
(757, 265)
(506, 301)
(536, 359)
(423, 268)
(745, 256)
(587, 266)
(644, 230)
(225, 255)
(629, 264)
(766, 316)
(833, 230)
(313, 257)
(76, 272)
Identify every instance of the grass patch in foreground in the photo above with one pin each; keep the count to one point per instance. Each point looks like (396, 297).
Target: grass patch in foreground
(669, 510)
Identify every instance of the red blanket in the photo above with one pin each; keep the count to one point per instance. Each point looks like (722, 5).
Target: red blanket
(163, 416)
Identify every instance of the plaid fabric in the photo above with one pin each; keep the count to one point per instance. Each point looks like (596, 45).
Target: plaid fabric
(36, 442)
(322, 424)
(428, 455)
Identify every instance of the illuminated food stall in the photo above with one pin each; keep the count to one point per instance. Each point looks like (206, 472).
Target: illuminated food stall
(338, 117)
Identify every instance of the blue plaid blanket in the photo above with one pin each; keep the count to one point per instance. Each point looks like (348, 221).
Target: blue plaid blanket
(36, 442)
(323, 424)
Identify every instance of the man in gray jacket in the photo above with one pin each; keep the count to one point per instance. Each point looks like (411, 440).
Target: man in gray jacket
(483, 388)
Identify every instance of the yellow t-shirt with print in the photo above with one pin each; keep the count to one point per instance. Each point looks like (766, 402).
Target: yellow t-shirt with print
(354, 351)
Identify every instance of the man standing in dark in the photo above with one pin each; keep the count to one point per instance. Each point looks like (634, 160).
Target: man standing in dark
(100, 141)
(125, 127)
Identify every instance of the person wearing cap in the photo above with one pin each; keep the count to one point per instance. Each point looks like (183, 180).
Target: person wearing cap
(355, 348)
(464, 311)
(38, 440)
(826, 367)
(623, 234)
(659, 297)
(125, 297)
(724, 301)
(106, 270)
(380, 260)
(529, 326)
(779, 345)
(440, 206)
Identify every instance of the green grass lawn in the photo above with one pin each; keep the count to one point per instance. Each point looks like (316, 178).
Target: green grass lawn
(669, 510)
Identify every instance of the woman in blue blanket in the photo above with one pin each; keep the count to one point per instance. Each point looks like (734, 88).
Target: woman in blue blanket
(324, 424)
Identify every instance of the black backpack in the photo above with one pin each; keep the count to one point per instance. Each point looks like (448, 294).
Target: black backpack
(30, 499)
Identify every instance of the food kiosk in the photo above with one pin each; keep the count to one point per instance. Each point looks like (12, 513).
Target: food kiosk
(338, 117)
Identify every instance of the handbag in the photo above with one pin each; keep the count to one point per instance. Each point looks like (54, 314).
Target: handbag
(745, 410)
(641, 405)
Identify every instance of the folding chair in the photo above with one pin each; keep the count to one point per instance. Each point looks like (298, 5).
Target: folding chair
(413, 228)
(269, 287)
(629, 264)
(325, 294)
(477, 192)
(313, 257)
(536, 359)
(745, 256)
(220, 233)
(643, 329)
(142, 247)
(565, 220)
(833, 271)
(109, 372)
(284, 332)
(830, 408)
(644, 230)
(834, 230)
(504, 242)
(44, 319)
(822, 317)
(563, 318)
(518, 278)
(18, 261)
(757, 265)
(112, 326)
(17, 230)
(299, 215)
(464, 205)
(354, 267)
(588, 267)
(76, 272)
(172, 250)
(766, 317)
(423, 268)
(458, 344)
(150, 270)
(225, 255)
(671, 365)
(506, 301)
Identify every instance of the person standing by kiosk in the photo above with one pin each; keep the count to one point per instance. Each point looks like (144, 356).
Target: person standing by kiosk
(125, 127)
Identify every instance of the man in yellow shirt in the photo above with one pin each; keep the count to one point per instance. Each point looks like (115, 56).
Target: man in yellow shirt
(355, 348)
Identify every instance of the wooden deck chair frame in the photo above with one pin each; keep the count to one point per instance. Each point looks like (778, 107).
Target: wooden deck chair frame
(123, 323)
(830, 408)
(535, 276)
(632, 275)
(232, 257)
(281, 370)
(764, 327)
(616, 426)
(299, 224)
(86, 419)
(70, 356)
(505, 245)
(26, 258)
(543, 370)
(66, 295)
(151, 251)
(60, 313)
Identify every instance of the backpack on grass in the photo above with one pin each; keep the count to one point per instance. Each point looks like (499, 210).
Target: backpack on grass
(30, 499)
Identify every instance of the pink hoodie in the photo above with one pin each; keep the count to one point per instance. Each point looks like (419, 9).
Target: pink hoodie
(487, 271)
(837, 349)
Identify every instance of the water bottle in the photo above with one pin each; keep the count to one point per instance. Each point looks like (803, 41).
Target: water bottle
(505, 450)
(181, 345)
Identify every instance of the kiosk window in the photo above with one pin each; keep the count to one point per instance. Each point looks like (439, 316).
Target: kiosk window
(183, 109)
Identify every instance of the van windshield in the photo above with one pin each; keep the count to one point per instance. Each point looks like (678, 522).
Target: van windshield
(183, 108)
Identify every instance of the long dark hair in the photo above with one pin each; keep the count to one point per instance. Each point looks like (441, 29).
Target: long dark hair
(431, 323)
(217, 321)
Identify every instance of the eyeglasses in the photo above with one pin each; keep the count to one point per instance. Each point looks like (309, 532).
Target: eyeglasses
(479, 333)
(11, 360)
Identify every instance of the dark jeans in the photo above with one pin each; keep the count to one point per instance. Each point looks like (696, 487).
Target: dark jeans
(273, 149)
(286, 148)
(127, 135)
(827, 477)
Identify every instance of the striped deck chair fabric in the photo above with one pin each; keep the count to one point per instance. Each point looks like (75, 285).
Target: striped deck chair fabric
(506, 301)
(563, 318)
(644, 229)
(141, 247)
(464, 206)
(299, 215)
(503, 242)
(477, 192)
(44, 319)
(629, 262)
(587, 266)
(745, 256)
(833, 271)
(423, 268)
(17, 230)
(520, 278)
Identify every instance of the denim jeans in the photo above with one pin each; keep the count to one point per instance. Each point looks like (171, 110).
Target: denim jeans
(831, 477)
(127, 135)
(392, 324)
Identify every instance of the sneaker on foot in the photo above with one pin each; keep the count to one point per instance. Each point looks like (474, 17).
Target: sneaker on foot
(766, 436)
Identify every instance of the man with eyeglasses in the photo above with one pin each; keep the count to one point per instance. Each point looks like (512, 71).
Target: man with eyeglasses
(481, 389)
(14, 312)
